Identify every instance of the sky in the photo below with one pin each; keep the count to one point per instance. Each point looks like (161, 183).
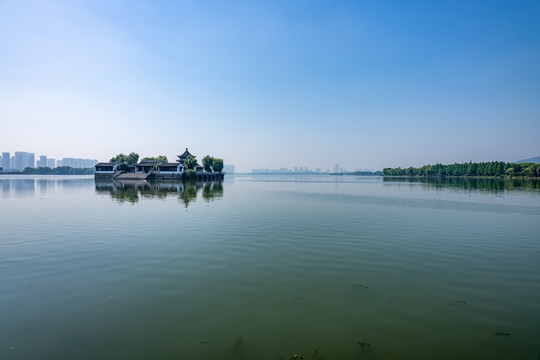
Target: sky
(270, 84)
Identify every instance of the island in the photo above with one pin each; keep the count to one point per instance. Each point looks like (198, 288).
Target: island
(186, 167)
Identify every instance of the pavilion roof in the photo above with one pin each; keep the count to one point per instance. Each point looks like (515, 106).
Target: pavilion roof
(185, 155)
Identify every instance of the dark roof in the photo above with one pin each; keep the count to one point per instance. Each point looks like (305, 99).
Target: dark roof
(170, 164)
(185, 155)
(106, 164)
(148, 162)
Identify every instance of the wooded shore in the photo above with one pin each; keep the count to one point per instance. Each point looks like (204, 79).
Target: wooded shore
(485, 169)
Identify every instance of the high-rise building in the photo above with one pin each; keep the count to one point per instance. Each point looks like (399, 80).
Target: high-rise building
(42, 162)
(45, 162)
(20, 157)
(23, 160)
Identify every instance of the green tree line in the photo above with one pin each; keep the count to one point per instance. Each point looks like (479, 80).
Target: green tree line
(209, 163)
(493, 168)
(124, 161)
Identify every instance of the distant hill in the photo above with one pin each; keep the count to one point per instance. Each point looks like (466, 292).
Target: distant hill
(533, 160)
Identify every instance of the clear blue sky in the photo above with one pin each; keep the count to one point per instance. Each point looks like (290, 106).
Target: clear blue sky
(367, 84)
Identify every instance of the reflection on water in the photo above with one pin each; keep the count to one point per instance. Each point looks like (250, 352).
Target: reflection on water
(185, 191)
(121, 191)
(490, 185)
(329, 267)
(18, 187)
(132, 191)
(6, 187)
(25, 186)
(45, 185)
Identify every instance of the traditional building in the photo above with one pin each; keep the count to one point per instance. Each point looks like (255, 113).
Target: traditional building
(170, 168)
(182, 158)
(106, 170)
(146, 166)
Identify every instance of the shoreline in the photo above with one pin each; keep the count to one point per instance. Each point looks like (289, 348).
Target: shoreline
(461, 177)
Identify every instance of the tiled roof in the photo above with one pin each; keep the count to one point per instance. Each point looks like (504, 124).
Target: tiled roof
(170, 164)
(106, 164)
(185, 155)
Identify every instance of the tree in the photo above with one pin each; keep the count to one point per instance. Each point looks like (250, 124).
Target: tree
(119, 159)
(123, 167)
(218, 165)
(208, 163)
(190, 162)
(160, 159)
(130, 159)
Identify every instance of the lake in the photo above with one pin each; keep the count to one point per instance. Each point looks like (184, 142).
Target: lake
(269, 267)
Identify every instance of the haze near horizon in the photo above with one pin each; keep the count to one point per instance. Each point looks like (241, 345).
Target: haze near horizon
(279, 84)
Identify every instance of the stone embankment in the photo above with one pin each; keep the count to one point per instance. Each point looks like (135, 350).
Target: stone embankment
(131, 176)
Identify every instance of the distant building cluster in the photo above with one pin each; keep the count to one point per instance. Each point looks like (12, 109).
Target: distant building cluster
(46, 162)
(21, 160)
(305, 170)
(295, 170)
(77, 163)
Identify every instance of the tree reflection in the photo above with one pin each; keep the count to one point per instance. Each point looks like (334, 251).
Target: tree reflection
(212, 190)
(185, 191)
(482, 184)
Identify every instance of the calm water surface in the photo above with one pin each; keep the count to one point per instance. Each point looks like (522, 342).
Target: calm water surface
(266, 267)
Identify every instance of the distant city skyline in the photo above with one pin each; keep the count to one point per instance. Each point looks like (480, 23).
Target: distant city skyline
(273, 84)
(305, 170)
(22, 159)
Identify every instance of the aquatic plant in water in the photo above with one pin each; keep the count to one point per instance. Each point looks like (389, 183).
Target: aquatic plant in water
(363, 343)
(359, 287)
(205, 341)
(236, 343)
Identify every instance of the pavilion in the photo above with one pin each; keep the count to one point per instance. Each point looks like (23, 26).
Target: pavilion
(182, 158)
